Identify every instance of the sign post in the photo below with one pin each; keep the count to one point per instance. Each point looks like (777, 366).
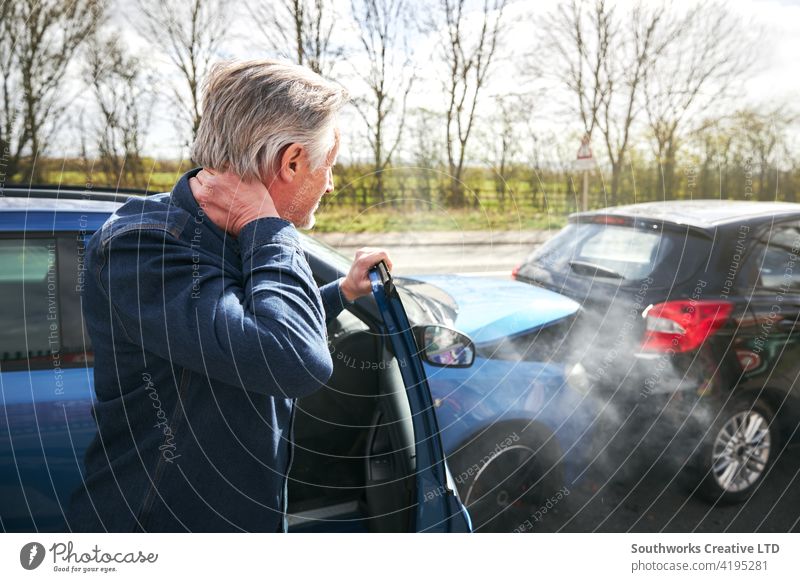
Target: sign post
(585, 163)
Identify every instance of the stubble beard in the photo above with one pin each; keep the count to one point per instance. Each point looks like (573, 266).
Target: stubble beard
(309, 223)
(309, 220)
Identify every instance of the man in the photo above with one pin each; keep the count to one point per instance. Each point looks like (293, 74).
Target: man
(205, 318)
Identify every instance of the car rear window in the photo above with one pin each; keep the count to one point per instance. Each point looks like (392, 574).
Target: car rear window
(627, 252)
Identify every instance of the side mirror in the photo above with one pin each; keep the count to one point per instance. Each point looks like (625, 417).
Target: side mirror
(441, 346)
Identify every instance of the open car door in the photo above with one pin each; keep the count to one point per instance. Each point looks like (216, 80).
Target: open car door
(437, 506)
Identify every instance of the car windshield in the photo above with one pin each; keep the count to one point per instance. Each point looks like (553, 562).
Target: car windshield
(424, 303)
(326, 253)
(627, 252)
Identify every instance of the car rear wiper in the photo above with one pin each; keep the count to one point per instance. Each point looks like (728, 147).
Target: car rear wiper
(584, 268)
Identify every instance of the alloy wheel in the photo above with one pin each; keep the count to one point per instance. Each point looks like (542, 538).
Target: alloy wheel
(741, 451)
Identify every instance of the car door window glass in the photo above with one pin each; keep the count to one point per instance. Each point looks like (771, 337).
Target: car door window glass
(76, 345)
(29, 291)
(777, 256)
(327, 253)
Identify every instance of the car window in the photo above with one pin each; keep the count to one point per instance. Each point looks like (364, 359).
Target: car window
(41, 323)
(776, 258)
(325, 252)
(632, 252)
(75, 342)
(426, 303)
(345, 323)
(29, 291)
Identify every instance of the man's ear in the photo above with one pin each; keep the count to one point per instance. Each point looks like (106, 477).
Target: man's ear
(290, 161)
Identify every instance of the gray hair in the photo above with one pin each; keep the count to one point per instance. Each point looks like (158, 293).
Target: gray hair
(252, 110)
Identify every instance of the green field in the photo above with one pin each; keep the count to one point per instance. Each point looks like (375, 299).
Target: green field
(339, 219)
(161, 181)
(352, 208)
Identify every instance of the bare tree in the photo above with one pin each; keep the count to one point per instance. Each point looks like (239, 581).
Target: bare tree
(426, 151)
(8, 114)
(38, 41)
(762, 137)
(124, 102)
(300, 30)
(707, 57)
(746, 154)
(536, 148)
(708, 155)
(553, 162)
(602, 58)
(468, 54)
(502, 136)
(388, 78)
(190, 34)
(581, 44)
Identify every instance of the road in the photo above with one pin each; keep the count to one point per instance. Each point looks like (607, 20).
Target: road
(655, 498)
(465, 252)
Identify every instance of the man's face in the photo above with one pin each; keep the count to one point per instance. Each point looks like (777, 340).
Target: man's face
(299, 206)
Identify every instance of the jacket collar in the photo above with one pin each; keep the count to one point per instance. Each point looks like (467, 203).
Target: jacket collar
(183, 198)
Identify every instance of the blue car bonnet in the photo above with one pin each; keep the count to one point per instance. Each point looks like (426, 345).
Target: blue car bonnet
(490, 309)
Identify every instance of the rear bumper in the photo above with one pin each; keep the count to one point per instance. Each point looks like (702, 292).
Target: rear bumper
(657, 416)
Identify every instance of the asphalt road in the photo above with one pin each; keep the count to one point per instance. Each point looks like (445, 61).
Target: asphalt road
(655, 498)
(472, 253)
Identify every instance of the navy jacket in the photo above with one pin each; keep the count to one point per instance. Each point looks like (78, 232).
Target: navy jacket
(202, 343)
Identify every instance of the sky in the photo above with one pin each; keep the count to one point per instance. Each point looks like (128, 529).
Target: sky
(774, 79)
(778, 74)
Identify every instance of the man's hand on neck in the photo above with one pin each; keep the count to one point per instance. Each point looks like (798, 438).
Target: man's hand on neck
(229, 202)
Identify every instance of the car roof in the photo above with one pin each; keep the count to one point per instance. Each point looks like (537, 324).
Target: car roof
(703, 214)
(63, 199)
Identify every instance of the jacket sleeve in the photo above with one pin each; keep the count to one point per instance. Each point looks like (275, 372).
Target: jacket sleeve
(263, 330)
(333, 301)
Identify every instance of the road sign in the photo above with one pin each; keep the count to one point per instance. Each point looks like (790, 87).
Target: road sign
(585, 160)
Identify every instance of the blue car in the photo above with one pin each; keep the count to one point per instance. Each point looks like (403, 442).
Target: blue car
(449, 409)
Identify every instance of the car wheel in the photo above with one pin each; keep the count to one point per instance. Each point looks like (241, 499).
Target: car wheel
(738, 453)
(505, 476)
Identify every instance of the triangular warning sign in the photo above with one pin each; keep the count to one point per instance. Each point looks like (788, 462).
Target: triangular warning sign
(585, 151)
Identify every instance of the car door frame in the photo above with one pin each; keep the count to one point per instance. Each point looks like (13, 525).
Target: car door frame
(438, 507)
(786, 400)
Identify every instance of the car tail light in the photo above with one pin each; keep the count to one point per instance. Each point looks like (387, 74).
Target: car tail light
(606, 219)
(681, 326)
(514, 271)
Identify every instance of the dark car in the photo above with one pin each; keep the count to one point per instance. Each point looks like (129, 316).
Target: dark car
(369, 449)
(690, 327)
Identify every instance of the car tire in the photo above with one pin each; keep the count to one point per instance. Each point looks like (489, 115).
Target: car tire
(506, 475)
(738, 452)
